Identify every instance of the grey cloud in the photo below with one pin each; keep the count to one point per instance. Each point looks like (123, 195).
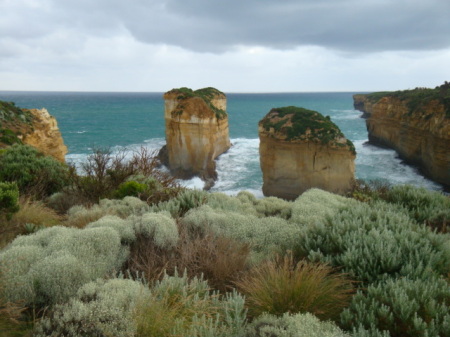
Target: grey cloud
(217, 26)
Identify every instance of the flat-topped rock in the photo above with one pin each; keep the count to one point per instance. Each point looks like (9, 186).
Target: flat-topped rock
(301, 149)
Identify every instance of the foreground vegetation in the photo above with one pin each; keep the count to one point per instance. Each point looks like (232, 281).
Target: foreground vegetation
(122, 250)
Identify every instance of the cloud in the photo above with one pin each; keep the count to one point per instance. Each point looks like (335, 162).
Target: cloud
(220, 26)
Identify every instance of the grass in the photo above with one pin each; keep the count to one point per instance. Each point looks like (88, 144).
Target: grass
(281, 285)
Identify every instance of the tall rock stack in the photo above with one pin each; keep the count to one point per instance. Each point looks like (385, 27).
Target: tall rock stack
(196, 131)
(415, 123)
(301, 149)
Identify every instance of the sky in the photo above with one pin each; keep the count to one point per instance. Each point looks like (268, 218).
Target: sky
(232, 45)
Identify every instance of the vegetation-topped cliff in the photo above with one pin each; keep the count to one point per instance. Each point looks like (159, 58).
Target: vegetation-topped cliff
(33, 127)
(415, 123)
(418, 99)
(206, 94)
(14, 122)
(299, 124)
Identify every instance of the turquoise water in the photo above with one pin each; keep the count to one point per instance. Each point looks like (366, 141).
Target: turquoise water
(132, 120)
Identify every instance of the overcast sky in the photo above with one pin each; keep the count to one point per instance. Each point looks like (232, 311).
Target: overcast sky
(233, 45)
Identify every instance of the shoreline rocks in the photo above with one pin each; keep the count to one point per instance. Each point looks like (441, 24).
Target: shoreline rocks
(301, 149)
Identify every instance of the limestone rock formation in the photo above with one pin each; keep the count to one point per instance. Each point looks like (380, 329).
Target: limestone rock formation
(415, 123)
(196, 131)
(301, 149)
(33, 127)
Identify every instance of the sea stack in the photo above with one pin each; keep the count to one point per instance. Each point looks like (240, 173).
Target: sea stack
(196, 132)
(415, 123)
(301, 149)
(34, 127)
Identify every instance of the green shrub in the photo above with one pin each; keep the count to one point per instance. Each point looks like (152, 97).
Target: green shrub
(9, 199)
(430, 207)
(280, 286)
(375, 242)
(33, 172)
(315, 205)
(100, 308)
(265, 235)
(297, 325)
(161, 227)
(49, 266)
(183, 307)
(183, 202)
(129, 188)
(402, 307)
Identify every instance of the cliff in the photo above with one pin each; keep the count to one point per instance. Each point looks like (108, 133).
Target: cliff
(415, 123)
(301, 149)
(33, 127)
(196, 132)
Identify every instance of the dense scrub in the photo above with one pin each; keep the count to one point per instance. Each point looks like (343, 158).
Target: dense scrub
(165, 261)
(416, 99)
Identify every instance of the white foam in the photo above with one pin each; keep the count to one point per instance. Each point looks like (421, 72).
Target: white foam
(345, 114)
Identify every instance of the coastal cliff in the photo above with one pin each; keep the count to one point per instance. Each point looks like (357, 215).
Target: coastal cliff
(415, 123)
(196, 132)
(301, 149)
(35, 127)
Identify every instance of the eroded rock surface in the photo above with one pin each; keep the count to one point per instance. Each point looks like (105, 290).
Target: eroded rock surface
(196, 132)
(35, 127)
(415, 123)
(301, 149)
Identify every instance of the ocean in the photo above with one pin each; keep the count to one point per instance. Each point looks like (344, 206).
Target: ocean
(128, 121)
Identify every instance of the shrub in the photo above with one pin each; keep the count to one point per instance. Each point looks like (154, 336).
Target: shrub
(129, 188)
(279, 286)
(297, 325)
(424, 206)
(183, 202)
(265, 235)
(402, 307)
(315, 205)
(33, 172)
(183, 307)
(80, 216)
(49, 266)
(100, 308)
(9, 199)
(375, 242)
(158, 226)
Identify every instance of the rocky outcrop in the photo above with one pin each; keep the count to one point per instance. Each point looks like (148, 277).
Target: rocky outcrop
(33, 127)
(196, 132)
(415, 123)
(301, 149)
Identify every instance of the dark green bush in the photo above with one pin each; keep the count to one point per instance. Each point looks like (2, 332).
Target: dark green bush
(129, 188)
(403, 307)
(33, 172)
(9, 199)
(375, 242)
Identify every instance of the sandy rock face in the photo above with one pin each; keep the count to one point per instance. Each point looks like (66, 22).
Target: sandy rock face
(45, 135)
(300, 149)
(33, 127)
(420, 137)
(196, 131)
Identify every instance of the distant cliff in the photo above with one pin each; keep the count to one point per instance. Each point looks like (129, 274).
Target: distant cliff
(33, 127)
(415, 123)
(196, 132)
(301, 149)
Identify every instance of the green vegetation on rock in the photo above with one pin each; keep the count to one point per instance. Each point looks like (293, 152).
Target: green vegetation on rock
(300, 123)
(417, 99)
(207, 94)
